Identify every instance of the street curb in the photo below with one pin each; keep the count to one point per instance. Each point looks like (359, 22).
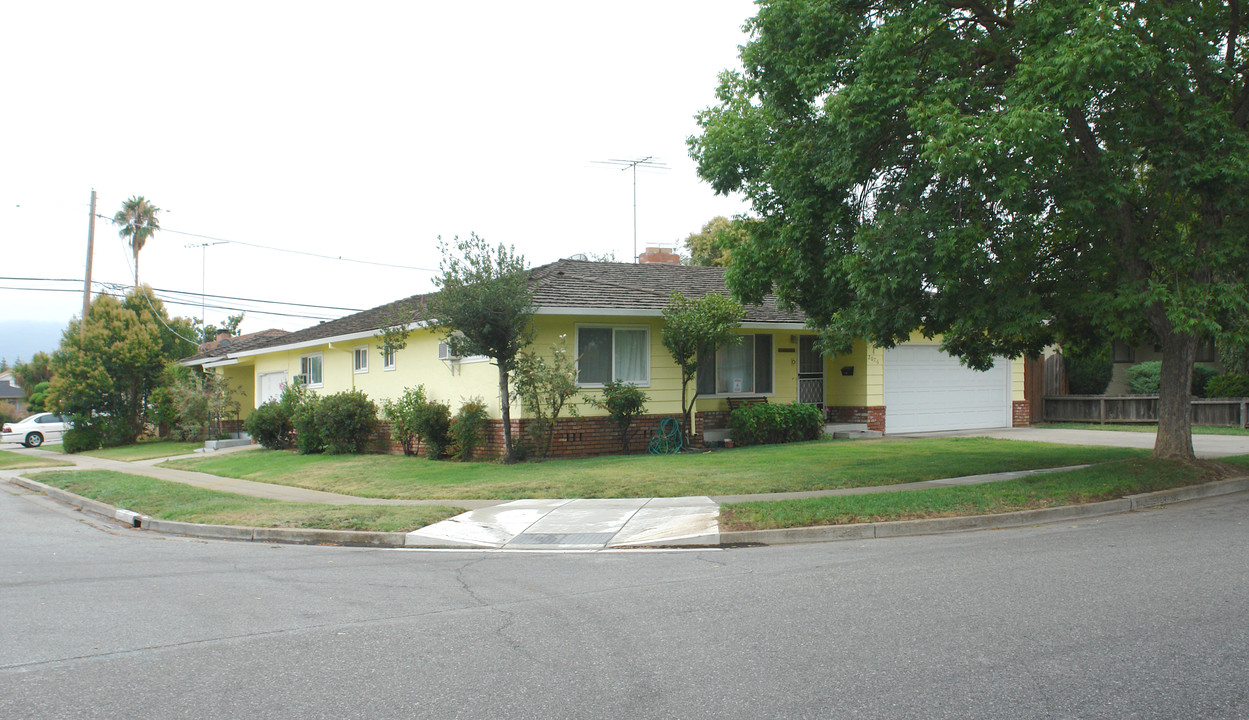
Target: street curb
(781, 536)
(900, 528)
(298, 536)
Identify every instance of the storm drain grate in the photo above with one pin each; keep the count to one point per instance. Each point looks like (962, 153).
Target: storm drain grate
(562, 539)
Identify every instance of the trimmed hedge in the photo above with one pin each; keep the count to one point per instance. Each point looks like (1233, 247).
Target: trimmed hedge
(271, 425)
(76, 440)
(767, 423)
(1230, 385)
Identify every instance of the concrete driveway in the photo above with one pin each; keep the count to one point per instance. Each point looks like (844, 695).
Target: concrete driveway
(1206, 446)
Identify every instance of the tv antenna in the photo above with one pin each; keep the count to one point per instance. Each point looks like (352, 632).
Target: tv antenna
(203, 281)
(649, 162)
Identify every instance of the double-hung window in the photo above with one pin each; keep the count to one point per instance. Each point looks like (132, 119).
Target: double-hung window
(360, 358)
(613, 353)
(310, 369)
(742, 368)
(388, 358)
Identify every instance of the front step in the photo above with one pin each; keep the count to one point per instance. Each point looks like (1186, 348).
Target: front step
(850, 430)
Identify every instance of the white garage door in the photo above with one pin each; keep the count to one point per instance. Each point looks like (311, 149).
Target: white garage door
(270, 386)
(926, 390)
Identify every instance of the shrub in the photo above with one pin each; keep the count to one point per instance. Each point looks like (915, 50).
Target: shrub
(1089, 373)
(466, 428)
(1228, 386)
(625, 403)
(433, 427)
(307, 432)
(346, 422)
(271, 425)
(1144, 378)
(766, 423)
(401, 414)
(80, 439)
(545, 386)
(38, 398)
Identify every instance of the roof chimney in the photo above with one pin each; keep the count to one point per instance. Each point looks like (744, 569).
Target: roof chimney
(660, 255)
(223, 335)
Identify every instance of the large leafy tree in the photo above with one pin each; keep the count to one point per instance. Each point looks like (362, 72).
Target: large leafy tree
(484, 306)
(695, 327)
(137, 221)
(109, 364)
(713, 245)
(1001, 172)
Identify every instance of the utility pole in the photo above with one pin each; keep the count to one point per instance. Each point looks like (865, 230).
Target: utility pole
(86, 283)
(203, 280)
(648, 161)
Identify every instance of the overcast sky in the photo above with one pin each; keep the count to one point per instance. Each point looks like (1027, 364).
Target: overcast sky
(361, 130)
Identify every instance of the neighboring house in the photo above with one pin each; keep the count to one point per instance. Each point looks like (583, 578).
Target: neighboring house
(611, 317)
(1125, 356)
(12, 395)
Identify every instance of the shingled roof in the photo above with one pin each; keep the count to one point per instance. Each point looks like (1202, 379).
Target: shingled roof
(641, 289)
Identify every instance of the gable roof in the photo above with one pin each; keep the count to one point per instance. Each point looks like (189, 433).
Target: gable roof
(10, 392)
(561, 287)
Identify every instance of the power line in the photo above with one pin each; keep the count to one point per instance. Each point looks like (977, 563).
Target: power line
(171, 301)
(190, 292)
(293, 252)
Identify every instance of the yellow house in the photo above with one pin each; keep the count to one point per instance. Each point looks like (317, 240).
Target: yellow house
(610, 317)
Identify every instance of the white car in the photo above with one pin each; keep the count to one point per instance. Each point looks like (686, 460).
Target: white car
(36, 429)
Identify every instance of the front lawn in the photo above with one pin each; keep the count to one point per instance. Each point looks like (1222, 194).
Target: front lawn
(1103, 482)
(1141, 427)
(143, 450)
(185, 503)
(16, 461)
(817, 465)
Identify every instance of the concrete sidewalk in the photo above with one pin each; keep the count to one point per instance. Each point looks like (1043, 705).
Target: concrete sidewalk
(1207, 447)
(147, 468)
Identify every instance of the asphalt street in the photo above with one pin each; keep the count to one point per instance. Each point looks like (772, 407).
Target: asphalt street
(1143, 615)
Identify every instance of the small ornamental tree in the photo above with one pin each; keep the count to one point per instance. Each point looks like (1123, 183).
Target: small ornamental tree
(544, 385)
(484, 306)
(697, 326)
(625, 403)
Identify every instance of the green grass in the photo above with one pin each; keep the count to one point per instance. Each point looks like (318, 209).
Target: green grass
(142, 450)
(185, 503)
(814, 465)
(1142, 427)
(16, 461)
(1103, 482)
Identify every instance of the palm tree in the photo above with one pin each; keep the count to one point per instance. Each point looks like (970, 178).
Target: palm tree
(137, 221)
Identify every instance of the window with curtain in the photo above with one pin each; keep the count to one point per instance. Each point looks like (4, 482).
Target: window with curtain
(613, 353)
(310, 369)
(743, 368)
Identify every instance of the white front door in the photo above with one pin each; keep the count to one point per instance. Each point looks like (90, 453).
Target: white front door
(269, 386)
(926, 389)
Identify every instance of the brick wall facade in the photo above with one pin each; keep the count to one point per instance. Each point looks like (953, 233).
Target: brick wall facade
(872, 415)
(1021, 413)
(573, 437)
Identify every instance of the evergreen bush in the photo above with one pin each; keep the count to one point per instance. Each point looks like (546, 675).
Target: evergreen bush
(346, 422)
(466, 428)
(1227, 386)
(767, 423)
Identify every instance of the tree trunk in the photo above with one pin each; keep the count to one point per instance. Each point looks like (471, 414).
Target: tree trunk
(1175, 391)
(509, 454)
(136, 267)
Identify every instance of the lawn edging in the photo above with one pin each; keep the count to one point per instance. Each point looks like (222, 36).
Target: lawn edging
(933, 526)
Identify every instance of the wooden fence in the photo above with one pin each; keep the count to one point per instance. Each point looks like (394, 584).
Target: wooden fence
(1228, 412)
